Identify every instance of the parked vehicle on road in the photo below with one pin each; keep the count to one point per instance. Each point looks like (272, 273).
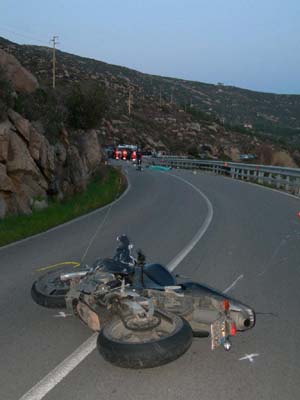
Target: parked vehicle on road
(124, 152)
(145, 315)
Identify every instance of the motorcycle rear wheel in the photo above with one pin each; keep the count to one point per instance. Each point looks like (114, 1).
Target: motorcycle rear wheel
(145, 349)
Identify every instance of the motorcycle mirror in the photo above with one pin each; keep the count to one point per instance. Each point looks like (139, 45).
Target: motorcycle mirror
(140, 258)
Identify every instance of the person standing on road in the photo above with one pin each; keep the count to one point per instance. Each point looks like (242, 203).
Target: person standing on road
(139, 156)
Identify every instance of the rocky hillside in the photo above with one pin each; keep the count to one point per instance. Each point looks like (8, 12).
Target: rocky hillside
(170, 114)
(272, 114)
(31, 168)
(50, 140)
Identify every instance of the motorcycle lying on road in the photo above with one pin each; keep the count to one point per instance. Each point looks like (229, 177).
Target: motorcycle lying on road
(144, 314)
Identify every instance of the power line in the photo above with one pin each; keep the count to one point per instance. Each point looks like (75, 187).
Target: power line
(23, 35)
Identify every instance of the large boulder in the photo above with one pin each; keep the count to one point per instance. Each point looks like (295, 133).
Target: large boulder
(77, 171)
(19, 158)
(3, 205)
(21, 124)
(4, 140)
(6, 184)
(47, 159)
(60, 152)
(38, 149)
(35, 143)
(91, 150)
(21, 79)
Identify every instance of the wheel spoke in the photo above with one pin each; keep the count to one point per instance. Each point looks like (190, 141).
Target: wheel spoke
(161, 332)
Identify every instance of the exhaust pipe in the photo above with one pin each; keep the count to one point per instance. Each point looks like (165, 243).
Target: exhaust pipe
(73, 275)
(243, 320)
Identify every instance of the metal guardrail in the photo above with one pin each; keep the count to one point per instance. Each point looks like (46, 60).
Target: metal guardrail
(287, 179)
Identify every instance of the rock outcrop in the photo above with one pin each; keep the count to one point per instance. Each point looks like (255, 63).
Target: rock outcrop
(32, 169)
(21, 79)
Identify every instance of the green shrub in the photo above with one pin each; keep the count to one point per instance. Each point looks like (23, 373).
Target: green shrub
(79, 107)
(45, 105)
(86, 106)
(193, 151)
(199, 115)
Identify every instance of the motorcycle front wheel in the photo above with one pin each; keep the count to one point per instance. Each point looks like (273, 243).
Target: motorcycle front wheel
(147, 348)
(49, 290)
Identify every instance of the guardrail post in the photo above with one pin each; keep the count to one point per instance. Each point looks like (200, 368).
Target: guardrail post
(278, 181)
(260, 177)
(243, 174)
(287, 184)
(270, 179)
(297, 187)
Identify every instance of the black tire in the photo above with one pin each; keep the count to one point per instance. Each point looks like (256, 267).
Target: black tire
(201, 334)
(49, 291)
(145, 352)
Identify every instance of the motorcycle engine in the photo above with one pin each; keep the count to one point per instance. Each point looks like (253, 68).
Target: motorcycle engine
(97, 281)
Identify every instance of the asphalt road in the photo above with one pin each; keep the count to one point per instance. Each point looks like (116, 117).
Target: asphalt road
(251, 248)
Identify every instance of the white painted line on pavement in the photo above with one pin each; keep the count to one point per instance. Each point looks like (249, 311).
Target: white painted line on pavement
(233, 284)
(61, 371)
(249, 357)
(187, 249)
(44, 386)
(62, 314)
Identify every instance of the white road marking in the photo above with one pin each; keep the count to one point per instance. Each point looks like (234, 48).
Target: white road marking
(61, 371)
(249, 357)
(44, 386)
(62, 314)
(233, 284)
(187, 249)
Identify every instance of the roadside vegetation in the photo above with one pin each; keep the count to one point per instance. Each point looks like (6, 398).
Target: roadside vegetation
(75, 106)
(99, 192)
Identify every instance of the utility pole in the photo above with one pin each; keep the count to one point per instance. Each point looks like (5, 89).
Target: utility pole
(172, 96)
(129, 100)
(54, 41)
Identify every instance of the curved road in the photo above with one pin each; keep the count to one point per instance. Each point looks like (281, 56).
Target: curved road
(250, 249)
